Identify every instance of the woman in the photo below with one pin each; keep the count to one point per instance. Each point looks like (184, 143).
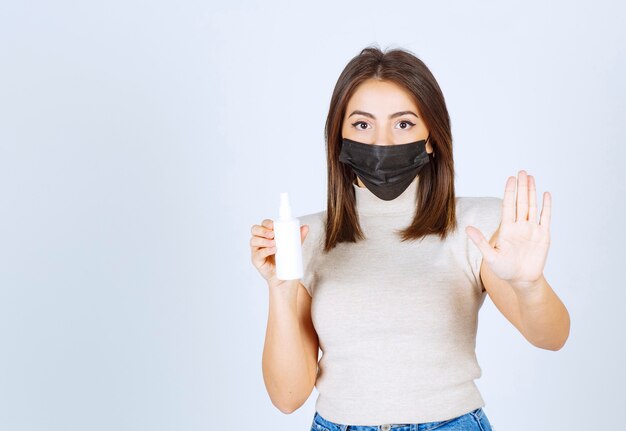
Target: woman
(392, 286)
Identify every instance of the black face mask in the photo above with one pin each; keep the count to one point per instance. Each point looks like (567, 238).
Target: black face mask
(386, 170)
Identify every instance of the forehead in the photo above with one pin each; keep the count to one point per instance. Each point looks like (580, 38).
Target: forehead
(381, 98)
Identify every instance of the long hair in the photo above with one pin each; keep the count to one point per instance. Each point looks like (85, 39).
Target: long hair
(435, 212)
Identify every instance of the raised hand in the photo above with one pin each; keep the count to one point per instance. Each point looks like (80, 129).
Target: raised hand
(519, 252)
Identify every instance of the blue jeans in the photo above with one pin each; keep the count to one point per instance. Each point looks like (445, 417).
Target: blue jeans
(476, 420)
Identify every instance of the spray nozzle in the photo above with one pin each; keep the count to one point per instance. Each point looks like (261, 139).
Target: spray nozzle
(285, 208)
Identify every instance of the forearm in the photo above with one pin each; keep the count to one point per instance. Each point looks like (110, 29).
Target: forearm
(545, 319)
(285, 371)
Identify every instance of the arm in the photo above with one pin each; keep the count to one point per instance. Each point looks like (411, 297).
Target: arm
(513, 264)
(545, 319)
(538, 314)
(291, 347)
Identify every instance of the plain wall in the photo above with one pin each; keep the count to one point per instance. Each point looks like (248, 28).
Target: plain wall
(140, 141)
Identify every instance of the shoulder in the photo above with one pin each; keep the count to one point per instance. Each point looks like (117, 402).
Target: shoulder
(484, 213)
(478, 208)
(314, 220)
(317, 223)
(311, 247)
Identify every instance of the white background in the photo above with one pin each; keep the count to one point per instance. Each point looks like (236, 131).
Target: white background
(141, 140)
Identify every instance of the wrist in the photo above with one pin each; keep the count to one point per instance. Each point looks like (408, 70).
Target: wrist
(529, 289)
(276, 284)
(284, 292)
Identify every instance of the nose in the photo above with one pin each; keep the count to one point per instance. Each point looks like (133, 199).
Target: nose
(384, 138)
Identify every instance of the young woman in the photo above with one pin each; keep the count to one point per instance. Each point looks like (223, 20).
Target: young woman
(392, 284)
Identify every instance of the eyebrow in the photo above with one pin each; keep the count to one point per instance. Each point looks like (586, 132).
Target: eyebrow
(367, 114)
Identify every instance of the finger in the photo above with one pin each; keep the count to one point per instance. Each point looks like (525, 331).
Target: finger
(257, 241)
(477, 237)
(262, 231)
(532, 200)
(266, 251)
(522, 196)
(304, 231)
(508, 202)
(259, 256)
(268, 223)
(546, 210)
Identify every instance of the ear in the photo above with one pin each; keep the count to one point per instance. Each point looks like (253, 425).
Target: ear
(429, 146)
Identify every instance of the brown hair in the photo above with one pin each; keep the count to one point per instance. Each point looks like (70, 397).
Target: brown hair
(436, 200)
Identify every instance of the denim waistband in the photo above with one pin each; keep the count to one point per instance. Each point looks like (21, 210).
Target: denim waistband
(322, 424)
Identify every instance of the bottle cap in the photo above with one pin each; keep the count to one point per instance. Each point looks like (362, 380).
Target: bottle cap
(285, 207)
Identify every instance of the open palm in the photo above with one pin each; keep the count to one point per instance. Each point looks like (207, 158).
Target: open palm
(519, 250)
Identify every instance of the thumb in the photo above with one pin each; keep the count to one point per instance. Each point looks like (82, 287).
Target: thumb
(481, 242)
(304, 231)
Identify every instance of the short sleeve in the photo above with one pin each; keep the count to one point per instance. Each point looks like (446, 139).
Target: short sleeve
(486, 217)
(311, 249)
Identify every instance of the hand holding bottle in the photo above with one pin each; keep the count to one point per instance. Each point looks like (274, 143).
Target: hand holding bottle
(263, 249)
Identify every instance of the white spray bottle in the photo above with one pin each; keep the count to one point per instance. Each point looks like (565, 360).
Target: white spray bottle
(288, 243)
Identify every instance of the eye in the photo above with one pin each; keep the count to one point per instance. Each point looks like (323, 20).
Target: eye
(359, 122)
(406, 122)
